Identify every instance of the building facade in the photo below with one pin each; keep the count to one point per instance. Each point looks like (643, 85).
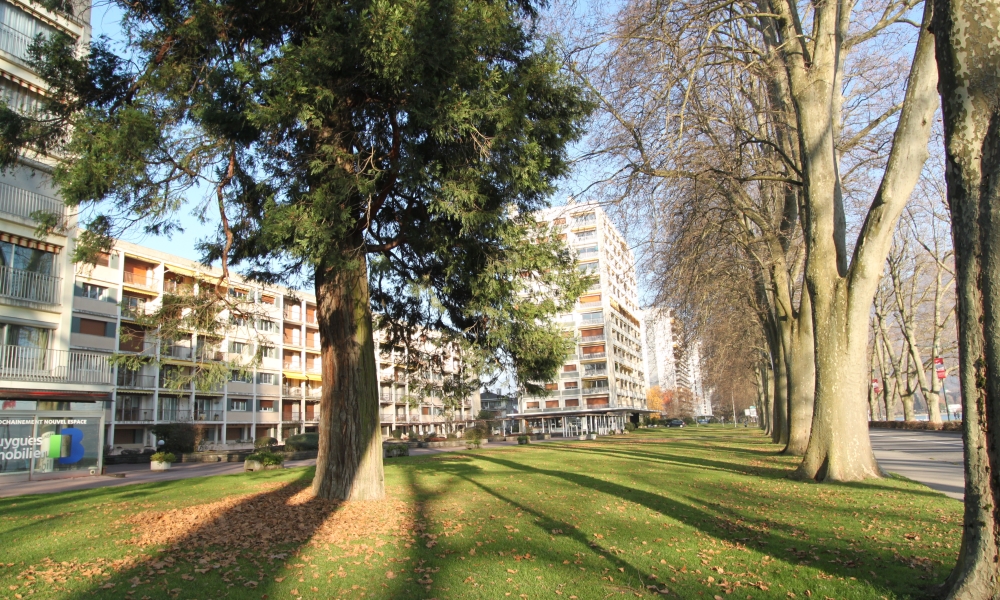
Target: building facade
(661, 364)
(603, 383)
(689, 379)
(42, 373)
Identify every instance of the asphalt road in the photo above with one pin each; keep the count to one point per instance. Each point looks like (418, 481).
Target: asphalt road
(933, 458)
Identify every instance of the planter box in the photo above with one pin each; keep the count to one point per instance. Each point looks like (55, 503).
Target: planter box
(522, 442)
(541, 436)
(916, 425)
(156, 465)
(591, 436)
(255, 465)
(581, 437)
(447, 444)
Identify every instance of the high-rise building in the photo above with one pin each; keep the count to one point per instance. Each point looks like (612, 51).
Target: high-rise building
(661, 366)
(689, 378)
(41, 373)
(603, 383)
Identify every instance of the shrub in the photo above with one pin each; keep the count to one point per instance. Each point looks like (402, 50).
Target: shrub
(452, 436)
(394, 450)
(474, 436)
(629, 426)
(267, 458)
(397, 433)
(523, 439)
(177, 437)
(302, 441)
(689, 421)
(166, 457)
(265, 442)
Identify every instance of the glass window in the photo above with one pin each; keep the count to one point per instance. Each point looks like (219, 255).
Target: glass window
(266, 378)
(268, 352)
(238, 405)
(26, 337)
(26, 259)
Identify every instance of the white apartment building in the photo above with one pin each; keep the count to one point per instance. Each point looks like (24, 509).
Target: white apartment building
(42, 372)
(689, 377)
(661, 365)
(603, 383)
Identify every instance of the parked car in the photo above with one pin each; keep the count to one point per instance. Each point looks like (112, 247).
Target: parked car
(675, 423)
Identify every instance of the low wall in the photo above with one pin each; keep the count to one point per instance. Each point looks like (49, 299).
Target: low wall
(916, 425)
(201, 457)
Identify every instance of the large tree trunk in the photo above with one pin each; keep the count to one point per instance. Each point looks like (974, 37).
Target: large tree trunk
(801, 379)
(779, 410)
(969, 60)
(839, 447)
(349, 465)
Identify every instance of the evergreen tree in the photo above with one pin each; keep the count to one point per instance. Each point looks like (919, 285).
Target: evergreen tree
(391, 150)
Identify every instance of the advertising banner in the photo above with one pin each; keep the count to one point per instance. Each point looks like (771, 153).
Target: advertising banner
(50, 443)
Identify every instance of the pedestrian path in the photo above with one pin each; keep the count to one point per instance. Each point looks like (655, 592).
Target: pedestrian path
(117, 475)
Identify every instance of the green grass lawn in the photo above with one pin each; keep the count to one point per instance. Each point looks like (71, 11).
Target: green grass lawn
(693, 513)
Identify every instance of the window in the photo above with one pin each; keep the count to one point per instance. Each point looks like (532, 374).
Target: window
(133, 305)
(266, 325)
(94, 292)
(531, 405)
(551, 386)
(24, 336)
(267, 378)
(238, 376)
(93, 327)
(266, 405)
(237, 321)
(238, 405)
(569, 368)
(239, 294)
(268, 352)
(267, 299)
(572, 385)
(32, 260)
(238, 347)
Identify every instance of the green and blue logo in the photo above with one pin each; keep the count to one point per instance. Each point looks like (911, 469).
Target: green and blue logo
(66, 446)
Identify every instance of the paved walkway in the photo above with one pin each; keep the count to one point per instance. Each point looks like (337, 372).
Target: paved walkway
(142, 474)
(934, 458)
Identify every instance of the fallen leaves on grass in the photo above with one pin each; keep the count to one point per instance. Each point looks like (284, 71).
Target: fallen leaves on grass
(286, 515)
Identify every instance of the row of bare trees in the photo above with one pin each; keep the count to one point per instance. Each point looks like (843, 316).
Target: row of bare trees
(774, 157)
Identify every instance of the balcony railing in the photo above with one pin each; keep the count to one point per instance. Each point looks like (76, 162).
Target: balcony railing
(15, 43)
(141, 281)
(591, 320)
(314, 392)
(22, 203)
(593, 355)
(210, 354)
(133, 415)
(596, 389)
(569, 375)
(291, 416)
(182, 352)
(173, 414)
(594, 304)
(595, 372)
(593, 338)
(18, 284)
(131, 379)
(39, 364)
(291, 391)
(575, 392)
(208, 415)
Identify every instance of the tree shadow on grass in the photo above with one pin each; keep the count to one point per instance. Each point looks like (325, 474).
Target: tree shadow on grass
(441, 557)
(782, 541)
(236, 547)
(679, 460)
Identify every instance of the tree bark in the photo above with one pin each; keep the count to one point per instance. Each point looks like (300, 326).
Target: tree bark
(349, 464)
(801, 362)
(969, 61)
(779, 409)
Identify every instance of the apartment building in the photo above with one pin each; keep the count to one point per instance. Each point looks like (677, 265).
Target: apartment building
(661, 364)
(43, 376)
(689, 378)
(603, 383)
(278, 395)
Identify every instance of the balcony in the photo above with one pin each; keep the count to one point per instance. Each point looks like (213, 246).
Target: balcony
(207, 415)
(569, 375)
(587, 339)
(575, 392)
(20, 363)
(22, 203)
(593, 355)
(587, 305)
(131, 379)
(595, 389)
(588, 320)
(595, 373)
(15, 43)
(315, 393)
(291, 391)
(173, 415)
(141, 281)
(125, 414)
(181, 352)
(292, 415)
(210, 354)
(19, 286)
